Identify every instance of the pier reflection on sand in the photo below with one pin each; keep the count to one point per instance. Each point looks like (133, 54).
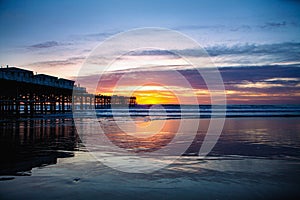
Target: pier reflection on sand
(29, 143)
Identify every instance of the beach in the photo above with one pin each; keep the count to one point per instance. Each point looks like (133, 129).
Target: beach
(254, 158)
(150, 100)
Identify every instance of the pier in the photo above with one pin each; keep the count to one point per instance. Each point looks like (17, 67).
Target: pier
(25, 93)
(102, 101)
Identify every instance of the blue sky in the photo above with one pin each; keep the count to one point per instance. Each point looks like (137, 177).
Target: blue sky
(34, 21)
(55, 37)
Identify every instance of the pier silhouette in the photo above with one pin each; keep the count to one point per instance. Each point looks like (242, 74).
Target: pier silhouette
(26, 93)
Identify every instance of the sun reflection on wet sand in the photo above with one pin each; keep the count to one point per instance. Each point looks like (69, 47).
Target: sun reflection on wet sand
(145, 138)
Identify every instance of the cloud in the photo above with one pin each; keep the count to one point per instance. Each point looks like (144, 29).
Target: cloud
(94, 36)
(259, 84)
(272, 25)
(260, 73)
(236, 55)
(285, 49)
(153, 52)
(53, 63)
(238, 27)
(198, 27)
(232, 76)
(282, 79)
(47, 44)
(73, 40)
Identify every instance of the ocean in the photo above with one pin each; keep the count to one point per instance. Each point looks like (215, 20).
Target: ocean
(257, 155)
(204, 111)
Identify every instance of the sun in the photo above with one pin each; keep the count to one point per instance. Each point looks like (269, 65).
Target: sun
(155, 94)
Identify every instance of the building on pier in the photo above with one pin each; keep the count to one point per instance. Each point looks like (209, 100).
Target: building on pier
(26, 93)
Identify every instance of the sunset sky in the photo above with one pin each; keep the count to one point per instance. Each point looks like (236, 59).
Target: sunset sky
(255, 45)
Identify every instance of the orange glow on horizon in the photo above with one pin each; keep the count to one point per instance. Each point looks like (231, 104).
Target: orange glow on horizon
(154, 98)
(146, 94)
(155, 94)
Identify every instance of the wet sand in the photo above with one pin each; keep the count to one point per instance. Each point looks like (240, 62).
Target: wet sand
(255, 158)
